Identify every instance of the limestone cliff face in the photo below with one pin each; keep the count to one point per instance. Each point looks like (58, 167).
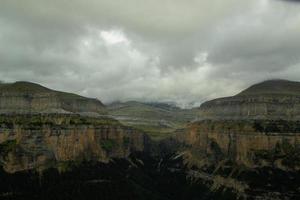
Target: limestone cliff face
(263, 119)
(25, 97)
(256, 159)
(277, 99)
(260, 118)
(42, 141)
(247, 143)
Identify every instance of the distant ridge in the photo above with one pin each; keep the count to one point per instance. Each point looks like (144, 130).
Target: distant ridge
(272, 100)
(158, 119)
(22, 86)
(27, 97)
(29, 87)
(279, 86)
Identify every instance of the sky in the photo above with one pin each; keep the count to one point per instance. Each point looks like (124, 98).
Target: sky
(183, 51)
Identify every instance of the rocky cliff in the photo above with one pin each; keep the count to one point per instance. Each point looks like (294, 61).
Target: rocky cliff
(275, 99)
(250, 159)
(42, 141)
(26, 97)
(229, 154)
(248, 143)
(245, 143)
(42, 128)
(264, 117)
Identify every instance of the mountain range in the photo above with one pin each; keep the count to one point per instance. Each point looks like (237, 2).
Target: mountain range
(159, 120)
(65, 146)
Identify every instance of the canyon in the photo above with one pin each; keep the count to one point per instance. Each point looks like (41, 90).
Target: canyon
(241, 147)
(44, 141)
(42, 128)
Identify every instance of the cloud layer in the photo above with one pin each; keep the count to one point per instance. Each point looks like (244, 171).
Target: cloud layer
(159, 50)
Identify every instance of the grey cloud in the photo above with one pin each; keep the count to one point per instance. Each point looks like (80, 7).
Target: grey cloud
(296, 1)
(257, 45)
(155, 46)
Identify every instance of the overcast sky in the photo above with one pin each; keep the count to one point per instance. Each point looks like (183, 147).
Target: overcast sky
(149, 50)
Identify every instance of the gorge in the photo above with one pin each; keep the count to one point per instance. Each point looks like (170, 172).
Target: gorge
(241, 147)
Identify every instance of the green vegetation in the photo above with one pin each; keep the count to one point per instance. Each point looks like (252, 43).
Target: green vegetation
(247, 126)
(67, 101)
(7, 146)
(277, 126)
(285, 151)
(67, 166)
(155, 131)
(273, 87)
(152, 111)
(158, 120)
(108, 144)
(37, 120)
(23, 86)
(292, 154)
(126, 141)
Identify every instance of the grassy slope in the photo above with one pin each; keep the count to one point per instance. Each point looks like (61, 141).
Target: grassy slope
(61, 120)
(28, 87)
(275, 87)
(158, 120)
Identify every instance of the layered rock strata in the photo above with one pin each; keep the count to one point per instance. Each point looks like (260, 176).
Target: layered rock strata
(26, 97)
(244, 143)
(248, 143)
(43, 141)
(270, 100)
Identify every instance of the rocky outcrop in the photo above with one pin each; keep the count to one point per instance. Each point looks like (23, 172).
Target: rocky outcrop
(244, 143)
(251, 159)
(43, 141)
(271, 100)
(42, 128)
(26, 97)
(248, 143)
(263, 118)
(258, 159)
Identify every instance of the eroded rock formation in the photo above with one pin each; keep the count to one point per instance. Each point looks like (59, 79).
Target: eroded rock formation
(42, 128)
(43, 141)
(244, 143)
(26, 97)
(270, 100)
(248, 143)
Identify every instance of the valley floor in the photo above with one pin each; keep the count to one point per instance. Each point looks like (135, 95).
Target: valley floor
(142, 177)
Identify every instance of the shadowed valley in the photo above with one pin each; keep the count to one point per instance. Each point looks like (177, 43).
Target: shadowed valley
(56, 145)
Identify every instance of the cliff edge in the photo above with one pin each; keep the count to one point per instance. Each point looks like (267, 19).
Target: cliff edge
(25, 97)
(272, 100)
(249, 143)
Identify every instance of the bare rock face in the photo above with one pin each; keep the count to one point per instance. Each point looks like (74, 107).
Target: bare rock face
(275, 99)
(247, 143)
(43, 141)
(262, 120)
(25, 97)
(253, 159)
(42, 128)
(242, 143)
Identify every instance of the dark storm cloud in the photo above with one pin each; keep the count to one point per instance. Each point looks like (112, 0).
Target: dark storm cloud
(159, 50)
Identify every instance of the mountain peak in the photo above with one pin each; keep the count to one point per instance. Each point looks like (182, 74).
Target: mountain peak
(276, 87)
(272, 99)
(27, 97)
(23, 86)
